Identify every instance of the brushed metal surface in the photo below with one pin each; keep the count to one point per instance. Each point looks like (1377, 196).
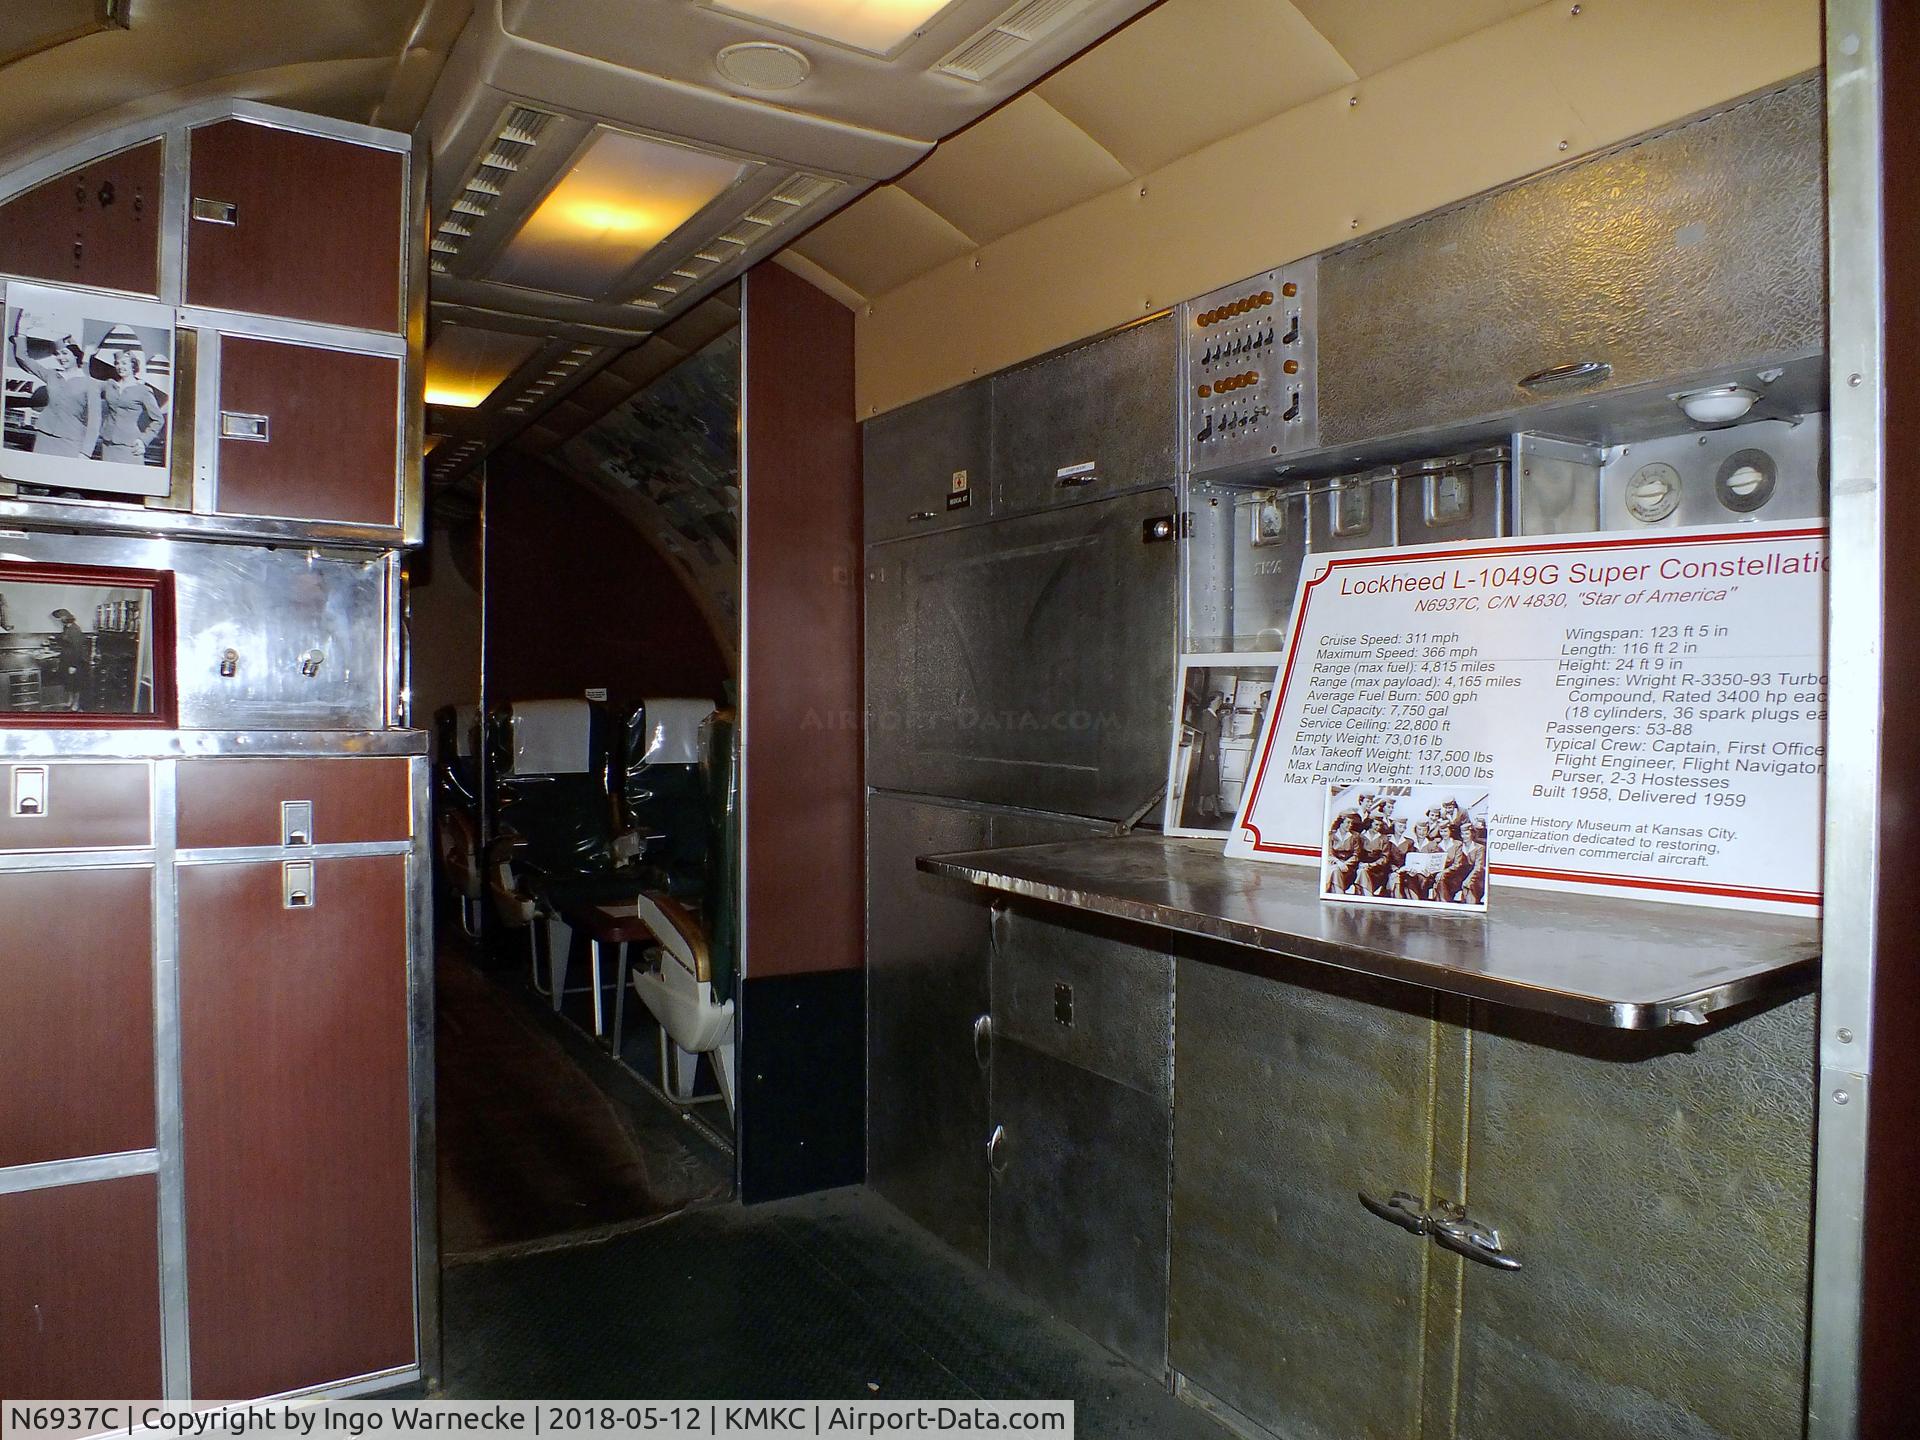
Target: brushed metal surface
(1110, 403)
(1297, 1088)
(1699, 247)
(1352, 512)
(927, 982)
(1264, 410)
(1452, 497)
(1079, 1199)
(272, 607)
(1659, 1191)
(910, 456)
(1625, 964)
(1027, 662)
(1798, 453)
(1119, 996)
(1239, 595)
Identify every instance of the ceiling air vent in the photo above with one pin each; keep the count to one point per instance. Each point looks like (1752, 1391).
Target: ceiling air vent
(793, 196)
(519, 132)
(991, 50)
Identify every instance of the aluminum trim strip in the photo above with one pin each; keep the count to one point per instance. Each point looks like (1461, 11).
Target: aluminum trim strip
(296, 332)
(1534, 951)
(76, 859)
(118, 518)
(421, 1020)
(51, 1174)
(175, 1356)
(246, 854)
(79, 745)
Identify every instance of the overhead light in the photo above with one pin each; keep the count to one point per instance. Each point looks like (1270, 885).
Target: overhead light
(624, 195)
(762, 65)
(465, 365)
(875, 26)
(1719, 405)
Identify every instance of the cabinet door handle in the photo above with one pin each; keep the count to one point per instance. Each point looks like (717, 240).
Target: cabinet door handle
(997, 1156)
(1578, 372)
(983, 1040)
(1454, 1231)
(1400, 1209)
(215, 212)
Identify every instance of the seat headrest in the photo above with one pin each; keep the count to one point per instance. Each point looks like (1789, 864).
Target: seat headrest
(669, 732)
(552, 737)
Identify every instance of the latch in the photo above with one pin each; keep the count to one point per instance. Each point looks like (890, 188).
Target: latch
(1085, 473)
(29, 792)
(983, 1040)
(1157, 528)
(242, 425)
(216, 212)
(311, 662)
(296, 885)
(1447, 1224)
(997, 1156)
(1063, 1004)
(296, 822)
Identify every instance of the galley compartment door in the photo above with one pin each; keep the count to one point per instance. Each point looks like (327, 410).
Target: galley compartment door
(1027, 662)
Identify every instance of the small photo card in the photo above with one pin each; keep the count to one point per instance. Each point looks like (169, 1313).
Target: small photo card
(1417, 845)
(1220, 709)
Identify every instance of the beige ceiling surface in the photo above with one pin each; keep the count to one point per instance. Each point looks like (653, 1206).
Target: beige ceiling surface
(329, 57)
(1183, 76)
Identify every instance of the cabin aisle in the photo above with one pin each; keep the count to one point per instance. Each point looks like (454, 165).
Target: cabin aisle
(532, 1150)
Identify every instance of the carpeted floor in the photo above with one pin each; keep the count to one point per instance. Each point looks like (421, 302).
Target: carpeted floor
(533, 1147)
(830, 1296)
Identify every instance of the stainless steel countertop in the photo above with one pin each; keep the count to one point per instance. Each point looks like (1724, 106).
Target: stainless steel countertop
(1627, 964)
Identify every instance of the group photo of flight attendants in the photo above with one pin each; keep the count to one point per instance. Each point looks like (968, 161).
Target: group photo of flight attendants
(88, 392)
(1406, 845)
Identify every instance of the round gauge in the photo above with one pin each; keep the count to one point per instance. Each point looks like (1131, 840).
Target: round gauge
(1653, 493)
(1745, 480)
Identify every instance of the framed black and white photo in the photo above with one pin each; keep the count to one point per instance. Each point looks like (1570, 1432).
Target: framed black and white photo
(85, 646)
(89, 391)
(1220, 708)
(1415, 845)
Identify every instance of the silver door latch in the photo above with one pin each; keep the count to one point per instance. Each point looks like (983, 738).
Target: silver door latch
(29, 792)
(296, 885)
(1447, 1224)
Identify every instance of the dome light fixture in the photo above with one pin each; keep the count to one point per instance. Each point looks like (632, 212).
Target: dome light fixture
(1718, 405)
(763, 65)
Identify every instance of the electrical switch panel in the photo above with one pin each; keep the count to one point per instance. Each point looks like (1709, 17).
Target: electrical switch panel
(1248, 374)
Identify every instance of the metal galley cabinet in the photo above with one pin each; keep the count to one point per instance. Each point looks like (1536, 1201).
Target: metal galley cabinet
(214, 992)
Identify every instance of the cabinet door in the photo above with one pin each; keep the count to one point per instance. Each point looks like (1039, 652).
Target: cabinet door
(925, 465)
(300, 226)
(926, 986)
(97, 226)
(76, 1013)
(297, 1124)
(1297, 1090)
(307, 433)
(1026, 662)
(245, 800)
(80, 1292)
(1093, 421)
(1658, 1191)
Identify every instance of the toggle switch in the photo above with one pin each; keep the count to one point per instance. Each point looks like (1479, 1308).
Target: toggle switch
(29, 791)
(1293, 332)
(1292, 412)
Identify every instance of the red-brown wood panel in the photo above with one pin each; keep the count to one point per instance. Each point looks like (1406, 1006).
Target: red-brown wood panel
(295, 1110)
(805, 870)
(316, 226)
(98, 225)
(88, 807)
(333, 432)
(222, 803)
(80, 1292)
(76, 1013)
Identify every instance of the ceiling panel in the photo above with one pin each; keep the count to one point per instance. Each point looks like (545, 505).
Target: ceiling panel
(1373, 34)
(1021, 164)
(1192, 72)
(887, 238)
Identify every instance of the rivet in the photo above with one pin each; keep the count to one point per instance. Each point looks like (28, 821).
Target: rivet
(1703, 439)
(1840, 1097)
(1843, 1035)
(1855, 378)
(1566, 144)
(1352, 100)
(1574, 11)
(1143, 192)
(976, 262)
(1353, 224)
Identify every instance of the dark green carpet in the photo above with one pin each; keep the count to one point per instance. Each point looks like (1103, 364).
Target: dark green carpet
(828, 1296)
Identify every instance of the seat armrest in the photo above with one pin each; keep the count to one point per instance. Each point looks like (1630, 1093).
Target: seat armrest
(680, 930)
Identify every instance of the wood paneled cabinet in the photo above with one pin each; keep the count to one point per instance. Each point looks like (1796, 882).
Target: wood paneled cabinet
(223, 1097)
(97, 225)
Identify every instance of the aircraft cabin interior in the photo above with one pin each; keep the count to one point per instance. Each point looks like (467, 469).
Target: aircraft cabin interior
(1127, 718)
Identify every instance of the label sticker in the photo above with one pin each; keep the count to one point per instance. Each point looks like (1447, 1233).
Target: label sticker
(959, 491)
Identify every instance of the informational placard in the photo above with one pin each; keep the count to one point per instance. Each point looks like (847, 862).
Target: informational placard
(1647, 711)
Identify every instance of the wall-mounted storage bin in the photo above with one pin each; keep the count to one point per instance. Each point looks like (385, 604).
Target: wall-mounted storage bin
(927, 466)
(301, 226)
(1091, 421)
(96, 226)
(1530, 294)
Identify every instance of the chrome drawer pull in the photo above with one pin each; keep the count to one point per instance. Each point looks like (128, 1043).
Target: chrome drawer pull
(1452, 1230)
(1399, 1209)
(1579, 371)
